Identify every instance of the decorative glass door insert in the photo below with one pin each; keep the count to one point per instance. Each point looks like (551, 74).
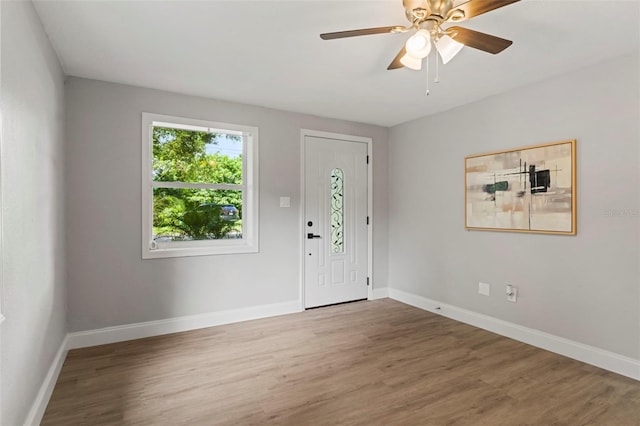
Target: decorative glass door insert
(337, 211)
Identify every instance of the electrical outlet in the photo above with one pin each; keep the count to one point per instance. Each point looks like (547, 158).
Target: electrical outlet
(512, 293)
(484, 288)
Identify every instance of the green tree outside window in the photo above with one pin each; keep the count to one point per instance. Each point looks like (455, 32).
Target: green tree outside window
(195, 157)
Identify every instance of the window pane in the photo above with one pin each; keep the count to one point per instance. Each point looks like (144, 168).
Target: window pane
(196, 157)
(196, 214)
(337, 211)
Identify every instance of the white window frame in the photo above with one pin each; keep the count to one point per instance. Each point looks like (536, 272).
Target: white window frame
(1, 222)
(249, 187)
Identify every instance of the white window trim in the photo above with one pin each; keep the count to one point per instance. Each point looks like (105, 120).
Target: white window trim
(250, 195)
(2, 318)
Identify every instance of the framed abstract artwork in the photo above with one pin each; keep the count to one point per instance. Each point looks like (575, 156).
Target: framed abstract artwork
(531, 189)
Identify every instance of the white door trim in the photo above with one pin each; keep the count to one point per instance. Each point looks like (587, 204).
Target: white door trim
(342, 137)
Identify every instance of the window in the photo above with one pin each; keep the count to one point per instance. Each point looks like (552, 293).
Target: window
(199, 187)
(337, 211)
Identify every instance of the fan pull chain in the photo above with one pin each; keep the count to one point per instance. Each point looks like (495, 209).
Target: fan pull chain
(437, 79)
(427, 67)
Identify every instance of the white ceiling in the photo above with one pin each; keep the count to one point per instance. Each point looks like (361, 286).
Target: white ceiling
(268, 53)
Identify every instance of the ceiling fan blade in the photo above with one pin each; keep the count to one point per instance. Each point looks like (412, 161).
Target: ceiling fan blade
(473, 8)
(355, 33)
(478, 40)
(395, 64)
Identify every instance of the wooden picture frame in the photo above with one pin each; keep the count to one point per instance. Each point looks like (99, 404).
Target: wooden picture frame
(530, 189)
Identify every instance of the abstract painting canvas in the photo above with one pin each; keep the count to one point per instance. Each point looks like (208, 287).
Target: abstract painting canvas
(530, 189)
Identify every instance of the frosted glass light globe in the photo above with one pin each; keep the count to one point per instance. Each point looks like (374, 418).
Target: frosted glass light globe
(419, 44)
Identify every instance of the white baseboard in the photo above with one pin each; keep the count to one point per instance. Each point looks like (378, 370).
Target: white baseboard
(611, 361)
(122, 333)
(140, 330)
(34, 417)
(591, 355)
(380, 293)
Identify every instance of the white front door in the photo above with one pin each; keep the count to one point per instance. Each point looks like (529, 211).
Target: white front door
(335, 221)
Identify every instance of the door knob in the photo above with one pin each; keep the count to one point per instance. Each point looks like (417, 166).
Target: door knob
(310, 236)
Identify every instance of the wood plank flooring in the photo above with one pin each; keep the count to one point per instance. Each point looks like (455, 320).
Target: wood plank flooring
(365, 363)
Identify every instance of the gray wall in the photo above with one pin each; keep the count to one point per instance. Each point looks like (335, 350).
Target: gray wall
(585, 287)
(109, 283)
(33, 265)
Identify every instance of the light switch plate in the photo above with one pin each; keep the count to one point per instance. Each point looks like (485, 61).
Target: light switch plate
(285, 201)
(484, 289)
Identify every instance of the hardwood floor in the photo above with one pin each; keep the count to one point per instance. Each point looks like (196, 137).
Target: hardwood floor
(379, 362)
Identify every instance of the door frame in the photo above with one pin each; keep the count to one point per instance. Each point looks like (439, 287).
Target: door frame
(345, 138)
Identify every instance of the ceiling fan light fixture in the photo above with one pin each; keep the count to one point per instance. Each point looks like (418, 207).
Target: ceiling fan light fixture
(426, 18)
(419, 44)
(411, 62)
(448, 48)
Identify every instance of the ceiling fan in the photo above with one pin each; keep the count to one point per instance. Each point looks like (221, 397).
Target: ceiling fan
(427, 18)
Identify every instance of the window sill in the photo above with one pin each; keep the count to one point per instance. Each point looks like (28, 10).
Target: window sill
(167, 252)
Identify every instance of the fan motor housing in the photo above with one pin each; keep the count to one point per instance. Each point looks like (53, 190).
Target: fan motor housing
(422, 10)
